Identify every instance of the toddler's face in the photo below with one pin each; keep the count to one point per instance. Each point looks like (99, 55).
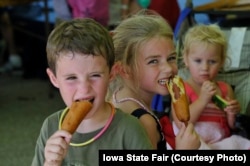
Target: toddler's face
(204, 61)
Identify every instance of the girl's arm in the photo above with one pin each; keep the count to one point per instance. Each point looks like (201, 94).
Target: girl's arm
(150, 125)
(233, 107)
(207, 90)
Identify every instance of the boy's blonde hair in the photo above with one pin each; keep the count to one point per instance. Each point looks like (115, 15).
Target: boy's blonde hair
(131, 34)
(208, 34)
(82, 35)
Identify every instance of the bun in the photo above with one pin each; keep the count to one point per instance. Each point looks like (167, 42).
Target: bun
(179, 99)
(75, 115)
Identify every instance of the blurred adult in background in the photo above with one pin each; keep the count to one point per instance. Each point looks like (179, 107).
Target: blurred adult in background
(114, 13)
(95, 9)
(129, 7)
(13, 60)
(170, 10)
(62, 10)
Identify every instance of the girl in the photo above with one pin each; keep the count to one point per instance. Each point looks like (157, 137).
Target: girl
(204, 53)
(145, 60)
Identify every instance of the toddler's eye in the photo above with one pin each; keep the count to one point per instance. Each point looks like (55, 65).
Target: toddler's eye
(197, 60)
(212, 62)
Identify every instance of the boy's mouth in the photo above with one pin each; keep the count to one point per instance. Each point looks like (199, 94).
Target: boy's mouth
(90, 100)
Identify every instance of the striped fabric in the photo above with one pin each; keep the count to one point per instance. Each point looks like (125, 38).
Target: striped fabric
(245, 52)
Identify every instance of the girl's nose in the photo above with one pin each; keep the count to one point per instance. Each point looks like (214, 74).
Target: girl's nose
(204, 66)
(169, 68)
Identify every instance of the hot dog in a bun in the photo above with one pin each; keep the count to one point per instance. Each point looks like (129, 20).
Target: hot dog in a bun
(180, 104)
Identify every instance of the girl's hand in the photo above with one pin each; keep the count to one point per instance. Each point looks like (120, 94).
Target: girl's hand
(231, 110)
(187, 138)
(208, 89)
(233, 107)
(56, 148)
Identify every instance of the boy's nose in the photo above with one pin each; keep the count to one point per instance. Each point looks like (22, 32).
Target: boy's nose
(84, 86)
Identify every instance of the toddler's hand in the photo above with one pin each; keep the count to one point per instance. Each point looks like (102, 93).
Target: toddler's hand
(208, 89)
(233, 107)
(56, 148)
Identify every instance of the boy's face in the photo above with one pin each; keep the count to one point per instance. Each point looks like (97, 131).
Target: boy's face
(81, 77)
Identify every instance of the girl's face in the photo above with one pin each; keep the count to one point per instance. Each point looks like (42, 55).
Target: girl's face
(81, 77)
(156, 64)
(203, 61)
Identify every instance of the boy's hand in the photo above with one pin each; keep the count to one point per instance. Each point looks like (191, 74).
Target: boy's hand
(56, 148)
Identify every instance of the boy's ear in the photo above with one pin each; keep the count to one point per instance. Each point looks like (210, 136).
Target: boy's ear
(52, 77)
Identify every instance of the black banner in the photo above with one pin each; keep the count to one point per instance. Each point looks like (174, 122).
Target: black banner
(174, 157)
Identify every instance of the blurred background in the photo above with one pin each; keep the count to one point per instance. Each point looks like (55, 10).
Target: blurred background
(26, 95)
(32, 21)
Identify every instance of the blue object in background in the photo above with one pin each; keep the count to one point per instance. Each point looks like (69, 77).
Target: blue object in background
(200, 18)
(157, 103)
(35, 11)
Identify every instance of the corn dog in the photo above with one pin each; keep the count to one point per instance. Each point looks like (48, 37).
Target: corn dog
(75, 115)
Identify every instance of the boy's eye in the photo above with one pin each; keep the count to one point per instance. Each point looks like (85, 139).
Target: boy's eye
(71, 78)
(95, 75)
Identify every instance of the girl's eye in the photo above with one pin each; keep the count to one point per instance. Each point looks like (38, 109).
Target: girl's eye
(197, 60)
(171, 59)
(154, 61)
(212, 62)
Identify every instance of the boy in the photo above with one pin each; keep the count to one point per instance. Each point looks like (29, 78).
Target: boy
(80, 55)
